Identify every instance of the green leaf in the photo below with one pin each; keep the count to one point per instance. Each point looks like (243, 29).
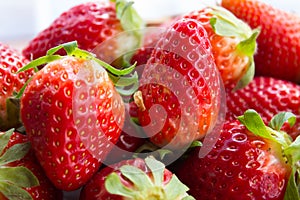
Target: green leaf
(128, 16)
(139, 178)
(19, 176)
(13, 192)
(278, 120)
(255, 124)
(175, 189)
(247, 78)
(224, 23)
(291, 192)
(39, 61)
(114, 186)
(248, 46)
(293, 151)
(131, 22)
(15, 152)
(157, 168)
(4, 139)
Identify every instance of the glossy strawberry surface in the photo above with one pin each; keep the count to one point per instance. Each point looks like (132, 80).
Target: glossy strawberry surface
(278, 53)
(268, 96)
(73, 116)
(10, 82)
(240, 166)
(179, 88)
(232, 61)
(89, 23)
(45, 190)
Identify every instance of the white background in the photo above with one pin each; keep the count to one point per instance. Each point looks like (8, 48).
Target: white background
(22, 20)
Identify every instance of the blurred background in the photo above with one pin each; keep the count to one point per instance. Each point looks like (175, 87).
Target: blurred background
(22, 20)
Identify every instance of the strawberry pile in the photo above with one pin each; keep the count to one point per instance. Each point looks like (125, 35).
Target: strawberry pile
(102, 105)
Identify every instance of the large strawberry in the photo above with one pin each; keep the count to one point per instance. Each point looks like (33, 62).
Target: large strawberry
(22, 177)
(138, 178)
(249, 161)
(90, 24)
(72, 114)
(10, 83)
(278, 53)
(267, 96)
(233, 43)
(179, 93)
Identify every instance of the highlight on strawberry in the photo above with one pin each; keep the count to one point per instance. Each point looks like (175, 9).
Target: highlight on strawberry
(179, 98)
(72, 113)
(249, 161)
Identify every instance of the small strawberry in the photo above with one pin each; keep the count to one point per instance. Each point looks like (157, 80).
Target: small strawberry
(10, 82)
(138, 178)
(249, 161)
(179, 93)
(278, 53)
(21, 175)
(90, 24)
(267, 96)
(233, 44)
(72, 114)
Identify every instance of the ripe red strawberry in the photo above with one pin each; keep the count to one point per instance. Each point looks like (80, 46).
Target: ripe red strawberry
(21, 175)
(267, 96)
(249, 161)
(135, 179)
(10, 82)
(278, 53)
(90, 24)
(233, 43)
(73, 115)
(179, 93)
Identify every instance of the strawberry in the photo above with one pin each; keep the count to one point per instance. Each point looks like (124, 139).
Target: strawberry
(22, 176)
(179, 93)
(278, 53)
(72, 113)
(10, 62)
(135, 179)
(249, 161)
(267, 96)
(90, 24)
(233, 44)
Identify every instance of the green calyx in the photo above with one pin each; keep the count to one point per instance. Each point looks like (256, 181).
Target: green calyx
(224, 23)
(132, 24)
(145, 187)
(290, 149)
(71, 49)
(13, 180)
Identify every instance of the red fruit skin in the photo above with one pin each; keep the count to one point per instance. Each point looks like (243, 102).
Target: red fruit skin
(175, 77)
(240, 166)
(10, 62)
(268, 96)
(72, 119)
(88, 23)
(46, 189)
(278, 53)
(231, 64)
(95, 188)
